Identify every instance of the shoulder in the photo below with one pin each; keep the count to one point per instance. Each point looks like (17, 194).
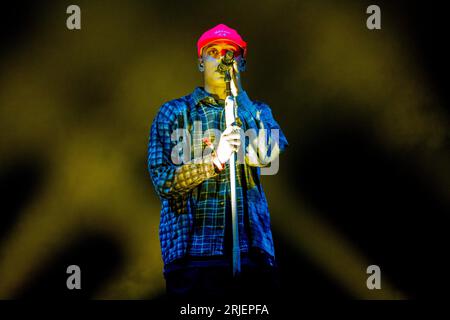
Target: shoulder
(261, 106)
(169, 110)
(263, 110)
(254, 106)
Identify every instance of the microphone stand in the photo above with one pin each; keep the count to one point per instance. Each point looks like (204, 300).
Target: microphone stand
(231, 118)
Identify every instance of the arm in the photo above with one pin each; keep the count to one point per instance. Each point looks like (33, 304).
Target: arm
(171, 180)
(265, 139)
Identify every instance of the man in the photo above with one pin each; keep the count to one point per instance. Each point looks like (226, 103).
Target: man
(195, 226)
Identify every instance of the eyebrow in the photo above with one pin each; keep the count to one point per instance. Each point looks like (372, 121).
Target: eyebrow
(225, 46)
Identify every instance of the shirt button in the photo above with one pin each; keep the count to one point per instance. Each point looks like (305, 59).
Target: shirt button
(221, 203)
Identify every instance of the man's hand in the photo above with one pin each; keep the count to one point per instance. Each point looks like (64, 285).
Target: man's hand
(230, 141)
(236, 86)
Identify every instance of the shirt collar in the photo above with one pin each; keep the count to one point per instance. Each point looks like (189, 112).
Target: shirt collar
(200, 95)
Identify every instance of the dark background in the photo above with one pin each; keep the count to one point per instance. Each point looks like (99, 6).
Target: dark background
(364, 181)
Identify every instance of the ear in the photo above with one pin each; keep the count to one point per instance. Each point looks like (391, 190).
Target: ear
(242, 65)
(201, 66)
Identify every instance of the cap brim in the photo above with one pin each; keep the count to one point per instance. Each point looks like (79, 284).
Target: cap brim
(220, 40)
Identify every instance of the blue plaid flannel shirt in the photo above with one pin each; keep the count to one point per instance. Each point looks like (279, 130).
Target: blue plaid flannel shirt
(194, 195)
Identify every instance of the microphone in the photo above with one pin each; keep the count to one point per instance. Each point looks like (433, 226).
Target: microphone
(226, 62)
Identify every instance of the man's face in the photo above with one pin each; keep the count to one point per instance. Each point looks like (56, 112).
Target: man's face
(212, 55)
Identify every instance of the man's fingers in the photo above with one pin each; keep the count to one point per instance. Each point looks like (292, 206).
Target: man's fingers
(234, 136)
(228, 130)
(235, 142)
(236, 128)
(231, 129)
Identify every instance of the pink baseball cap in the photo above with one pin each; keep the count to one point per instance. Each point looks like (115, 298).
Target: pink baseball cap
(221, 32)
